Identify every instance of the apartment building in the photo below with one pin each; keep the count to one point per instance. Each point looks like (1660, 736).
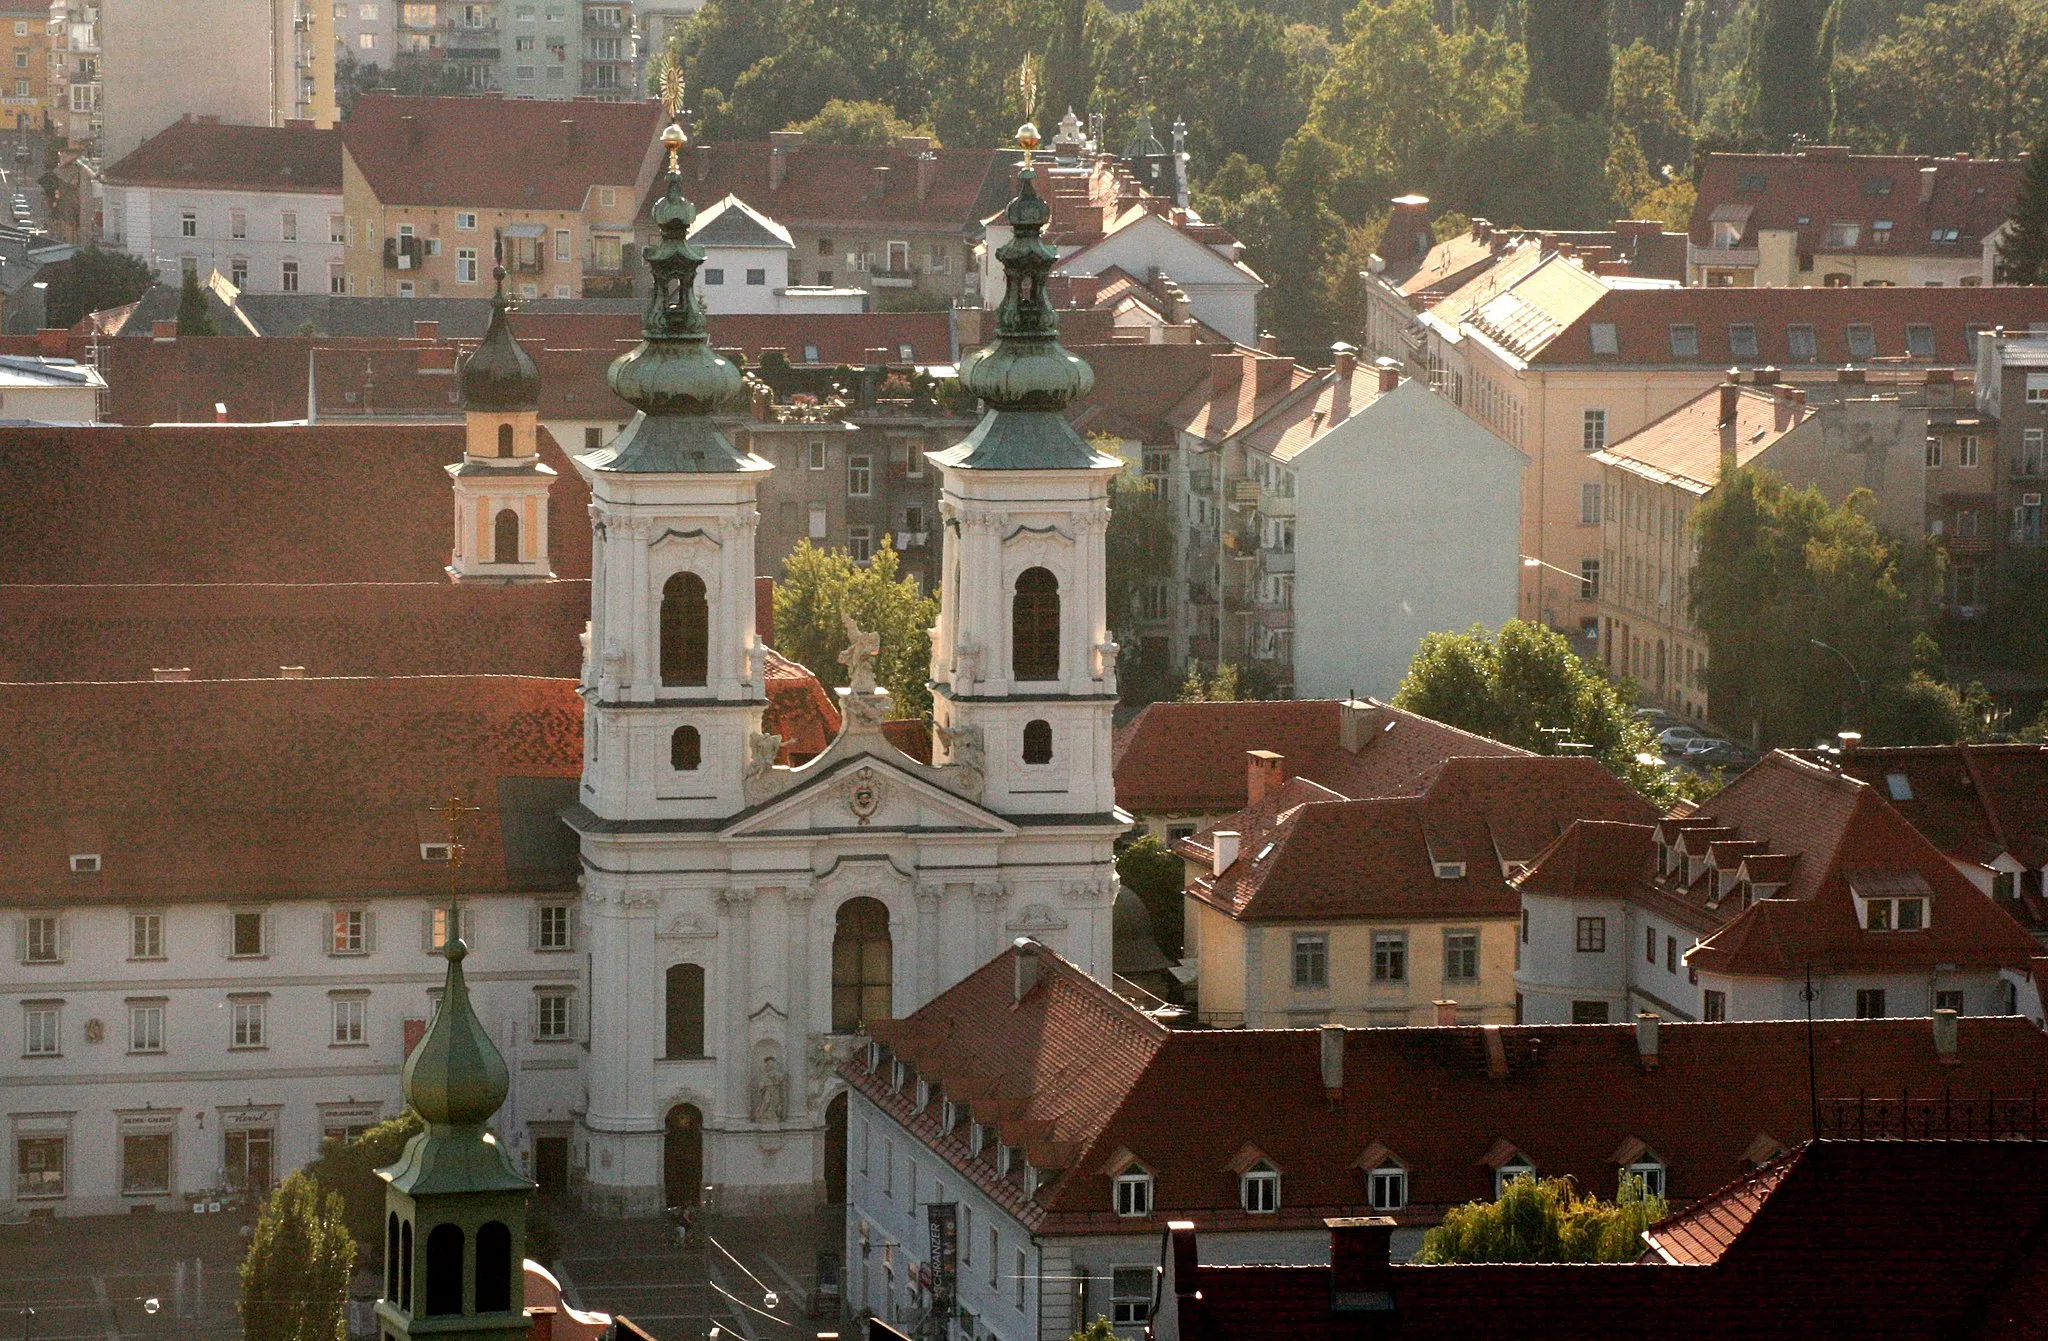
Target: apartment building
(74, 77)
(258, 205)
(1824, 217)
(2012, 398)
(438, 191)
(366, 31)
(24, 65)
(550, 49)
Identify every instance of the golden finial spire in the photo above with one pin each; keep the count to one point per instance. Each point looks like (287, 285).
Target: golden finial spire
(672, 102)
(1027, 93)
(453, 811)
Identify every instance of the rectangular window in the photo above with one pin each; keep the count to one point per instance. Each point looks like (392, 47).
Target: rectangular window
(1589, 579)
(860, 543)
(42, 937)
(814, 454)
(2030, 460)
(145, 1163)
(39, 1166)
(1589, 505)
(1843, 234)
(1742, 343)
(1311, 962)
(288, 226)
(1592, 938)
(1593, 430)
(1605, 340)
(1934, 453)
(238, 272)
(1387, 1187)
(1920, 341)
(860, 474)
(465, 221)
(1390, 956)
(1880, 232)
(714, 275)
(1650, 945)
(1716, 1006)
(913, 461)
(348, 1021)
(39, 1033)
(1966, 451)
(1801, 346)
(351, 931)
(553, 932)
(245, 935)
(1951, 999)
(1862, 339)
(337, 277)
(1671, 954)
(1685, 340)
(1589, 1012)
(1130, 1295)
(757, 278)
(562, 244)
(247, 1024)
(1870, 1003)
(337, 228)
(1133, 1194)
(552, 1015)
(1023, 1272)
(465, 265)
(437, 927)
(1461, 955)
(146, 1026)
(146, 936)
(238, 223)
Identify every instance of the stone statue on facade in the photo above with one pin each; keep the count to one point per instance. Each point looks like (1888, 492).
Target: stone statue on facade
(859, 657)
(771, 1092)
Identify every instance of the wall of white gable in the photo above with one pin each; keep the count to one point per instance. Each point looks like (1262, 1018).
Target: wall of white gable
(732, 292)
(1553, 972)
(150, 225)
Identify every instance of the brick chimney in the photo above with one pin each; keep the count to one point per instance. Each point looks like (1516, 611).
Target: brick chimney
(1731, 399)
(1361, 1265)
(163, 330)
(1345, 357)
(927, 173)
(1274, 376)
(1357, 725)
(568, 124)
(53, 342)
(1223, 850)
(1390, 375)
(1332, 1058)
(1265, 774)
(1945, 1037)
(1646, 1039)
(412, 132)
(426, 330)
(1408, 236)
(1269, 343)
(1446, 1012)
(1226, 374)
(1028, 965)
(780, 143)
(700, 157)
(1847, 741)
(291, 672)
(1847, 376)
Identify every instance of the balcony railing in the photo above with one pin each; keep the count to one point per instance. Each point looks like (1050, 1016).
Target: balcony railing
(1277, 560)
(1723, 258)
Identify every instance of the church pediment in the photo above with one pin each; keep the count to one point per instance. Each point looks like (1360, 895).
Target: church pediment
(867, 792)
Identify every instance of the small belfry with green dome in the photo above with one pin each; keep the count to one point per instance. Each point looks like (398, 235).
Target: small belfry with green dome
(455, 1205)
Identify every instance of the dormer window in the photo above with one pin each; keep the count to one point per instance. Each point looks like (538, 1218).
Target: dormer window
(924, 1095)
(1031, 1180)
(1450, 870)
(1650, 1170)
(949, 1115)
(977, 1133)
(1133, 1193)
(1259, 1189)
(85, 863)
(1899, 786)
(1003, 1161)
(1905, 914)
(874, 1056)
(1518, 1166)
(1386, 1187)
(897, 1072)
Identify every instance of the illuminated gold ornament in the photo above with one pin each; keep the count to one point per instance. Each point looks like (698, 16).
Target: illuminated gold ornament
(1027, 136)
(674, 140)
(671, 86)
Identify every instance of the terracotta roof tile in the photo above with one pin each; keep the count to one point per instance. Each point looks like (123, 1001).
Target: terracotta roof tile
(1686, 447)
(1805, 192)
(835, 185)
(507, 153)
(243, 158)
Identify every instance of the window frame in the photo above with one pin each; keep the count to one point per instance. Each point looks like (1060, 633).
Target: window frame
(1393, 1177)
(554, 1014)
(1309, 961)
(248, 1023)
(347, 939)
(1685, 339)
(146, 1025)
(1390, 956)
(567, 918)
(36, 948)
(1590, 935)
(152, 943)
(1593, 429)
(1460, 956)
(1258, 1190)
(348, 1023)
(860, 475)
(261, 923)
(1131, 1194)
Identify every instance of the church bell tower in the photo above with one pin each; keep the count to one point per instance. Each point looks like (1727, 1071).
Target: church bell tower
(501, 484)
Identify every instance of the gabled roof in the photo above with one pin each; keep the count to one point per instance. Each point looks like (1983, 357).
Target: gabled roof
(732, 222)
(1190, 757)
(283, 788)
(1687, 446)
(271, 159)
(1321, 404)
(1086, 1083)
(1805, 192)
(830, 186)
(365, 503)
(1641, 245)
(501, 153)
(1243, 387)
(1381, 858)
(1974, 802)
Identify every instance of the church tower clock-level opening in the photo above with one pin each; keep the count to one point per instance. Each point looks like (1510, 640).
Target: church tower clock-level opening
(685, 631)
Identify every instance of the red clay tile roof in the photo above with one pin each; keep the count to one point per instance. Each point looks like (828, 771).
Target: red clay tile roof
(1378, 858)
(1703, 1232)
(840, 337)
(1685, 447)
(1974, 802)
(1190, 757)
(247, 631)
(237, 158)
(1593, 859)
(1643, 319)
(1651, 253)
(833, 186)
(506, 153)
(282, 788)
(1092, 1081)
(1805, 192)
(799, 710)
(1137, 386)
(237, 503)
(1243, 386)
(259, 381)
(1845, 836)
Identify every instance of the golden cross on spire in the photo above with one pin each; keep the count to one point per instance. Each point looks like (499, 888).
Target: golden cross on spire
(453, 811)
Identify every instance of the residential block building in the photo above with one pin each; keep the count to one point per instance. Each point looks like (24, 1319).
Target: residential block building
(438, 191)
(1826, 217)
(1308, 908)
(366, 32)
(1796, 874)
(548, 49)
(248, 62)
(1051, 1132)
(258, 205)
(25, 65)
(2012, 393)
(74, 78)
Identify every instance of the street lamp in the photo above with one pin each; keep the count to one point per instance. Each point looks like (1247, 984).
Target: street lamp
(1862, 685)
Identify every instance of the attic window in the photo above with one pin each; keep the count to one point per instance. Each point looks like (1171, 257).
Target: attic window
(1605, 340)
(1133, 1195)
(1650, 1170)
(1908, 914)
(949, 1115)
(1259, 1189)
(1517, 1167)
(1450, 870)
(896, 1072)
(1387, 1187)
(85, 863)
(1878, 186)
(1943, 234)
(1920, 341)
(1898, 784)
(437, 852)
(924, 1095)
(1685, 340)
(1264, 852)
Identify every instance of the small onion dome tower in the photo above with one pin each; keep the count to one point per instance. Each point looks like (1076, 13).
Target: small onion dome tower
(455, 1207)
(501, 485)
(1023, 668)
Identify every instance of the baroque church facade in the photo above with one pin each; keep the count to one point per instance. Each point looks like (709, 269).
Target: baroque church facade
(745, 918)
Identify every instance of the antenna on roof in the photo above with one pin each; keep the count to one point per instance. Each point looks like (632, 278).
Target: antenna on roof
(1807, 994)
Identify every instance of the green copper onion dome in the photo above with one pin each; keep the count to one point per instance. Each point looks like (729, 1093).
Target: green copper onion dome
(456, 1076)
(673, 377)
(498, 374)
(1024, 377)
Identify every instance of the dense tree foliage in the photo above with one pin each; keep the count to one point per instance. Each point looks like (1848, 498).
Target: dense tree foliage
(1157, 877)
(2023, 251)
(1546, 1220)
(295, 1275)
(1568, 67)
(842, 122)
(1905, 94)
(1786, 76)
(818, 586)
(92, 281)
(195, 317)
(1526, 686)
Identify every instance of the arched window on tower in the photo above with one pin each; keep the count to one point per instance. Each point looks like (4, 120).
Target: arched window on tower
(391, 1257)
(493, 1268)
(405, 1266)
(861, 974)
(1035, 626)
(506, 537)
(504, 440)
(685, 1010)
(685, 749)
(444, 1271)
(685, 631)
(1038, 741)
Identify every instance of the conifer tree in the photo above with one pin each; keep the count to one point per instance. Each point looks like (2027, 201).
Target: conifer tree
(1785, 76)
(2023, 252)
(295, 1278)
(1570, 61)
(194, 318)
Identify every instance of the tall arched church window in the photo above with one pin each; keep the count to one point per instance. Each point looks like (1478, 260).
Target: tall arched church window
(861, 972)
(1035, 626)
(685, 1013)
(685, 631)
(504, 440)
(506, 536)
(1038, 742)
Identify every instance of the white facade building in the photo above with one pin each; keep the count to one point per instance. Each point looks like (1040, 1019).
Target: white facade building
(49, 390)
(750, 266)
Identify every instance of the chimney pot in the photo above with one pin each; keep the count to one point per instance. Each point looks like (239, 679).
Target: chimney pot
(1360, 1262)
(1646, 1038)
(1731, 397)
(927, 171)
(1332, 1040)
(1265, 774)
(220, 412)
(1269, 343)
(163, 330)
(1848, 740)
(1945, 1036)
(1226, 373)
(53, 342)
(1223, 849)
(1390, 375)
(291, 672)
(1354, 725)
(1028, 965)
(170, 674)
(1446, 1012)
(1345, 357)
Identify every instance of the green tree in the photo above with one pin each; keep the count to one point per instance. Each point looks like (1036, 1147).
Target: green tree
(782, 90)
(2023, 251)
(295, 1276)
(1157, 877)
(1785, 78)
(1881, 102)
(860, 123)
(1070, 64)
(194, 317)
(424, 79)
(1570, 62)
(818, 586)
(1221, 687)
(1099, 1330)
(1923, 710)
(1644, 98)
(1546, 1220)
(724, 40)
(1525, 683)
(348, 1170)
(1220, 66)
(94, 280)
(1780, 568)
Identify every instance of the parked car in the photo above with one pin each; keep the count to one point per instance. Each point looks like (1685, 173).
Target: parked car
(1718, 754)
(1674, 739)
